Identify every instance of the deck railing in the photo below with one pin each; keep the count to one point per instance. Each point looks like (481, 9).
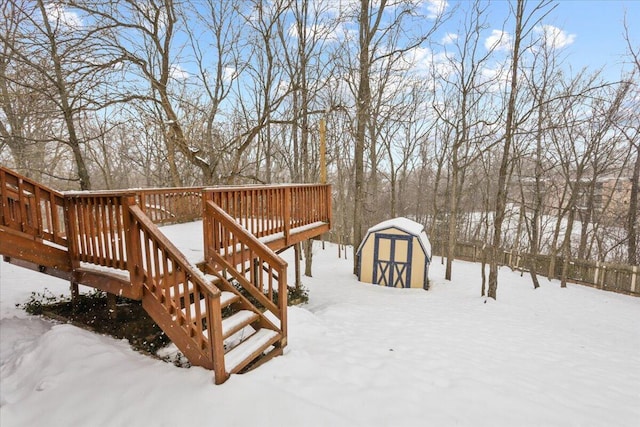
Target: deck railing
(310, 203)
(269, 210)
(97, 232)
(171, 205)
(32, 208)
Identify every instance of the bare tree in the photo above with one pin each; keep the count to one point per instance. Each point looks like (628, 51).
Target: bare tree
(543, 81)
(581, 137)
(144, 36)
(309, 45)
(463, 110)
(20, 107)
(632, 135)
(378, 40)
(524, 24)
(57, 49)
(217, 53)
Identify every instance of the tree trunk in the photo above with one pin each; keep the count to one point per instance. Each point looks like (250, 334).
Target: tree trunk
(453, 213)
(501, 198)
(363, 101)
(63, 92)
(566, 249)
(308, 257)
(633, 258)
(296, 251)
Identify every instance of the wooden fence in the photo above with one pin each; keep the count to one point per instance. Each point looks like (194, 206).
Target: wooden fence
(602, 275)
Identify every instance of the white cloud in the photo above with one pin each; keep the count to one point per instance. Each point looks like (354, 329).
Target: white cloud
(498, 40)
(62, 16)
(449, 38)
(554, 37)
(179, 73)
(316, 32)
(229, 74)
(496, 75)
(425, 63)
(436, 8)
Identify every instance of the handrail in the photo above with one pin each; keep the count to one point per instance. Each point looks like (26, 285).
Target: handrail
(166, 248)
(178, 286)
(254, 266)
(31, 208)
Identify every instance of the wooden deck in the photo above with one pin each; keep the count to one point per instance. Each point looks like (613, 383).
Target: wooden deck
(79, 236)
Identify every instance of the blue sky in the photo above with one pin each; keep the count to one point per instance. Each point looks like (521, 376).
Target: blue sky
(595, 27)
(590, 30)
(598, 26)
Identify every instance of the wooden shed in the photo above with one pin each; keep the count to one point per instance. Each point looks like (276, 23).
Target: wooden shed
(395, 253)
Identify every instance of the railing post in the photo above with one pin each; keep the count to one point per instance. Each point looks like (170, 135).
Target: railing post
(283, 300)
(142, 203)
(328, 217)
(287, 214)
(71, 224)
(207, 230)
(133, 247)
(4, 203)
(216, 344)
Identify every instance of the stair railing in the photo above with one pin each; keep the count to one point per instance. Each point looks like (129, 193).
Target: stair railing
(238, 258)
(190, 303)
(112, 230)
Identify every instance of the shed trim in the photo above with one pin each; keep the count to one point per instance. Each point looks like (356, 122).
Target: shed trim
(392, 262)
(372, 231)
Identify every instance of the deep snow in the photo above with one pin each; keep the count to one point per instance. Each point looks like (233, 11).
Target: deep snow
(358, 355)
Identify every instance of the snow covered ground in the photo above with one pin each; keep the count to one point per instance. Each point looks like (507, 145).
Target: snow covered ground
(358, 355)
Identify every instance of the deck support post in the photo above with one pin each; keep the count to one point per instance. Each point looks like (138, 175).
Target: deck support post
(112, 306)
(75, 294)
(297, 256)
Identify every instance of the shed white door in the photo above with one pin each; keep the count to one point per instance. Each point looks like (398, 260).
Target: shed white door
(392, 260)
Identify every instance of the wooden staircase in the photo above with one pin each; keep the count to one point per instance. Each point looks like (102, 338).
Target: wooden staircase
(227, 315)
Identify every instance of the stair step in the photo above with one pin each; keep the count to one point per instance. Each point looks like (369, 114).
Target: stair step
(248, 350)
(227, 298)
(237, 321)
